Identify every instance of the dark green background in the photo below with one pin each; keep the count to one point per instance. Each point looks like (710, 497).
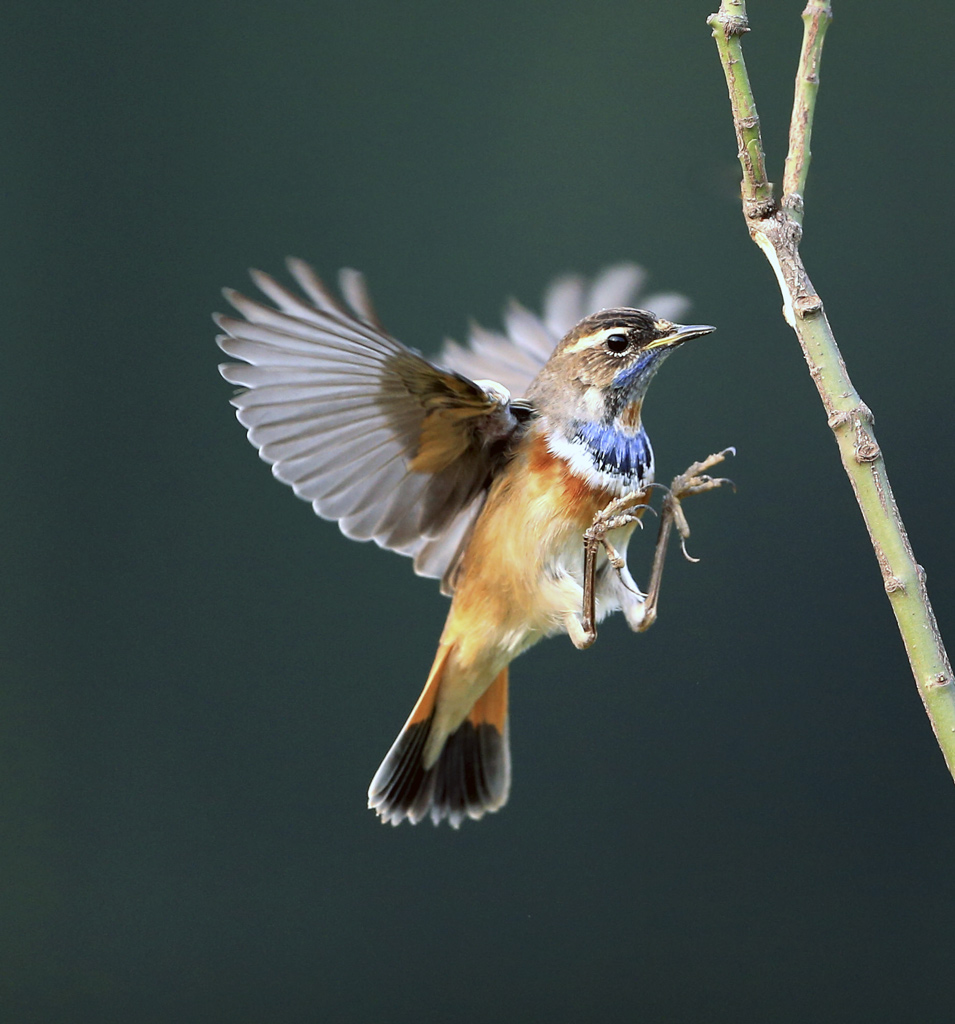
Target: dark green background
(739, 817)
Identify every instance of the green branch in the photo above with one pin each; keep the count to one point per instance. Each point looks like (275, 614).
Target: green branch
(816, 18)
(757, 189)
(777, 231)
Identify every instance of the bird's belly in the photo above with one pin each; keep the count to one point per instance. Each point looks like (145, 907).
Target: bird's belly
(523, 571)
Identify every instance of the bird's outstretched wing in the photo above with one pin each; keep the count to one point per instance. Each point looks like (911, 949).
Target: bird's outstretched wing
(396, 449)
(515, 358)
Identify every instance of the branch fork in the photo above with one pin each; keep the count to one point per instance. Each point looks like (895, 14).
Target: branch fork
(777, 229)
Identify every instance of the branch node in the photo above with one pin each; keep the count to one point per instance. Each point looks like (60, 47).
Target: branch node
(937, 682)
(893, 585)
(729, 24)
(760, 209)
(807, 305)
(839, 418)
(860, 413)
(867, 451)
(794, 202)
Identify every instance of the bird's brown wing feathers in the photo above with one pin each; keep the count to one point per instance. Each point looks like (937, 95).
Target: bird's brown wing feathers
(396, 449)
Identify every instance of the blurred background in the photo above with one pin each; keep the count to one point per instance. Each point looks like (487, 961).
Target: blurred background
(740, 816)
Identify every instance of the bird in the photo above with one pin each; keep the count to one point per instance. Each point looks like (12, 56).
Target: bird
(488, 466)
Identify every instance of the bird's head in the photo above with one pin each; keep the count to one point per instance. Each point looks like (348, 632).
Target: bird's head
(604, 365)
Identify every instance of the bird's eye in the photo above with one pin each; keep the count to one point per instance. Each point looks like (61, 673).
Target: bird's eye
(618, 343)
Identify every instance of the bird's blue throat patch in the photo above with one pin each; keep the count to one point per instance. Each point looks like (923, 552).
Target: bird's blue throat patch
(641, 371)
(614, 452)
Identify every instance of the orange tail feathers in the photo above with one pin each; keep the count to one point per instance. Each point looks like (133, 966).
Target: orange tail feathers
(471, 774)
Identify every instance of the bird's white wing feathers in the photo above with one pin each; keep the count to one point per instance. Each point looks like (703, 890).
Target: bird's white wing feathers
(373, 435)
(516, 357)
(398, 450)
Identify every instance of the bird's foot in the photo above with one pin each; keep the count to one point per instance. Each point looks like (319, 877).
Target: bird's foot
(693, 480)
(620, 512)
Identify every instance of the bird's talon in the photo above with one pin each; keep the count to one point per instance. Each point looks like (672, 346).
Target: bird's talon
(686, 554)
(624, 583)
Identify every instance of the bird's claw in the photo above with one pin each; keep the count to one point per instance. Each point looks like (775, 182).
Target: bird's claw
(694, 480)
(619, 513)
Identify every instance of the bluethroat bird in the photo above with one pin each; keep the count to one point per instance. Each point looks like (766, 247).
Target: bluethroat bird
(513, 470)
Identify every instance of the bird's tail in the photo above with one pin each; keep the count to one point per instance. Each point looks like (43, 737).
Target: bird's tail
(466, 776)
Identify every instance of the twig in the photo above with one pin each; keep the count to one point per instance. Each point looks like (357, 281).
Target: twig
(777, 231)
(816, 18)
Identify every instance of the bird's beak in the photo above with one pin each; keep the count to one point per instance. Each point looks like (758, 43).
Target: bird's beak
(678, 333)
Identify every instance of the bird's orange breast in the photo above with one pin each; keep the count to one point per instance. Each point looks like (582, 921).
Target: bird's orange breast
(577, 501)
(533, 507)
(529, 533)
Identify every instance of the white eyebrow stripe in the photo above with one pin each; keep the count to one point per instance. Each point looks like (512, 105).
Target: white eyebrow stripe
(590, 340)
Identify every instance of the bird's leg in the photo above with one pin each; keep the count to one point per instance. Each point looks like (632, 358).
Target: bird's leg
(693, 481)
(620, 512)
(624, 511)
